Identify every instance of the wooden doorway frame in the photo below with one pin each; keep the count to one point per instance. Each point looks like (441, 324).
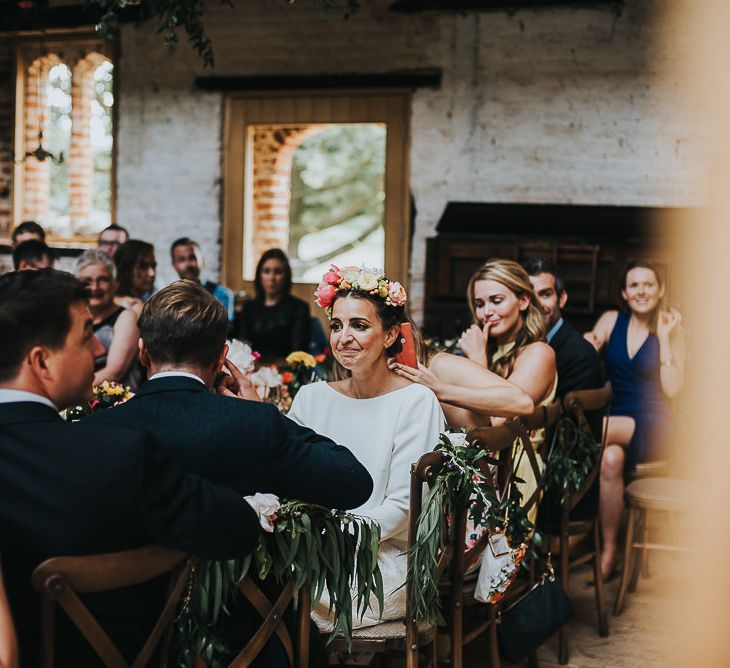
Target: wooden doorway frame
(391, 107)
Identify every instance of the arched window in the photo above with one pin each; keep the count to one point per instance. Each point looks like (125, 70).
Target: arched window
(65, 148)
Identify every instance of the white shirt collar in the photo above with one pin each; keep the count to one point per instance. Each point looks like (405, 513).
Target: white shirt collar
(8, 396)
(171, 374)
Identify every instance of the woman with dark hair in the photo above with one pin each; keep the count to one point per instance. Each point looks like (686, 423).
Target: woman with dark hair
(386, 421)
(274, 322)
(644, 356)
(136, 271)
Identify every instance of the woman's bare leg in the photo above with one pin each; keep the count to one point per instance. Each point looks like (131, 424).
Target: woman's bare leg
(620, 431)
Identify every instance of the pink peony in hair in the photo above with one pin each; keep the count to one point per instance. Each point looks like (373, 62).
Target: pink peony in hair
(325, 294)
(333, 275)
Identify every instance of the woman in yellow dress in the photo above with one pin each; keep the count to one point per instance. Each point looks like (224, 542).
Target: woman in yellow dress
(507, 337)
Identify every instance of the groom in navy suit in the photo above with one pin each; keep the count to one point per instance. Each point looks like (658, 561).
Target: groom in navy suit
(230, 438)
(77, 489)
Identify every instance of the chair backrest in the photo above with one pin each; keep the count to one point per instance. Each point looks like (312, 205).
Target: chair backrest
(273, 623)
(61, 579)
(500, 441)
(575, 405)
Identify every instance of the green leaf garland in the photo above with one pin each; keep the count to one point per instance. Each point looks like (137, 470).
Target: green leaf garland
(311, 545)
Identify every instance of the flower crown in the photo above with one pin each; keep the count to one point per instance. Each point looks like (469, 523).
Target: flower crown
(365, 279)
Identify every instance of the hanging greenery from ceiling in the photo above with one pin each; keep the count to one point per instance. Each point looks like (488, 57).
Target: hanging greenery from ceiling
(174, 16)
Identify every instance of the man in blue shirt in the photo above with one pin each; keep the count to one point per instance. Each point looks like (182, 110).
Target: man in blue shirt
(187, 260)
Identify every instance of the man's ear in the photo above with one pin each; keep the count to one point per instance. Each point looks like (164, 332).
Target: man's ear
(37, 359)
(563, 299)
(221, 359)
(144, 354)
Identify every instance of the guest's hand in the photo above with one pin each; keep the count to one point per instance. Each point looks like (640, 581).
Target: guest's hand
(422, 374)
(667, 322)
(237, 385)
(473, 343)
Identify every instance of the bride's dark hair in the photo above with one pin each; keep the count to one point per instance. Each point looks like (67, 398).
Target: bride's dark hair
(389, 316)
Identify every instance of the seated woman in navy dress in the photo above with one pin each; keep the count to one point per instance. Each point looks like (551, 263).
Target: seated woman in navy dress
(644, 356)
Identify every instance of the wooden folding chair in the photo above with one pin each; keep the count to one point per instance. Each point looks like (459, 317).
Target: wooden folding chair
(60, 581)
(273, 623)
(575, 406)
(411, 635)
(457, 588)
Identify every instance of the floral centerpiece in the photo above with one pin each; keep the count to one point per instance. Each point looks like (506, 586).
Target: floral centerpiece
(106, 395)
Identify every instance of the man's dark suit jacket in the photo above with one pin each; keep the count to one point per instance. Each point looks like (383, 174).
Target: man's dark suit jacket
(76, 489)
(245, 445)
(250, 447)
(579, 368)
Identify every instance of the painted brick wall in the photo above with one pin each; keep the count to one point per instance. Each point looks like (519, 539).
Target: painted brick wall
(559, 105)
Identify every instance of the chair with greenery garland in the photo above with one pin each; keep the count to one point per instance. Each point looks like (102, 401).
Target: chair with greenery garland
(60, 581)
(458, 589)
(573, 467)
(410, 635)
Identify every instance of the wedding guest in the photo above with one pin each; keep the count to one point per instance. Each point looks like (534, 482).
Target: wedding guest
(386, 420)
(187, 260)
(111, 238)
(644, 357)
(579, 368)
(507, 337)
(470, 395)
(8, 642)
(26, 231)
(82, 488)
(136, 272)
(32, 255)
(234, 439)
(114, 326)
(274, 322)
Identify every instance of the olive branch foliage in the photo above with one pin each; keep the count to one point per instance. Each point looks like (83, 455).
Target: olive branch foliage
(574, 458)
(312, 546)
(461, 476)
(187, 15)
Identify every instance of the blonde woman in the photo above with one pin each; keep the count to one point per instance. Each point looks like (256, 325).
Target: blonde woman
(470, 395)
(507, 338)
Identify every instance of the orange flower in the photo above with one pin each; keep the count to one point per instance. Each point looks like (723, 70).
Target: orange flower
(287, 377)
(320, 358)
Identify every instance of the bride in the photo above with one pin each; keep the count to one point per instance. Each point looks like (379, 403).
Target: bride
(386, 421)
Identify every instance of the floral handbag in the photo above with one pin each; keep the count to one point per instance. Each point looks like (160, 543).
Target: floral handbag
(499, 567)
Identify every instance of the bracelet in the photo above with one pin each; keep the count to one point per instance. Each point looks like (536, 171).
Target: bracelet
(669, 362)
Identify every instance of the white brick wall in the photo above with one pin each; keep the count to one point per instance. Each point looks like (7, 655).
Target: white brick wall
(559, 105)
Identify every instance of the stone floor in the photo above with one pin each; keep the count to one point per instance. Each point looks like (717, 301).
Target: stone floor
(642, 636)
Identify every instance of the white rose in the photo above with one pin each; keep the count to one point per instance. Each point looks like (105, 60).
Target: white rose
(266, 507)
(241, 355)
(351, 274)
(457, 439)
(266, 376)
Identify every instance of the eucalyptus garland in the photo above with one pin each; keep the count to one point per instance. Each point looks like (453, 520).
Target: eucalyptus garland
(460, 477)
(311, 546)
(572, 460)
